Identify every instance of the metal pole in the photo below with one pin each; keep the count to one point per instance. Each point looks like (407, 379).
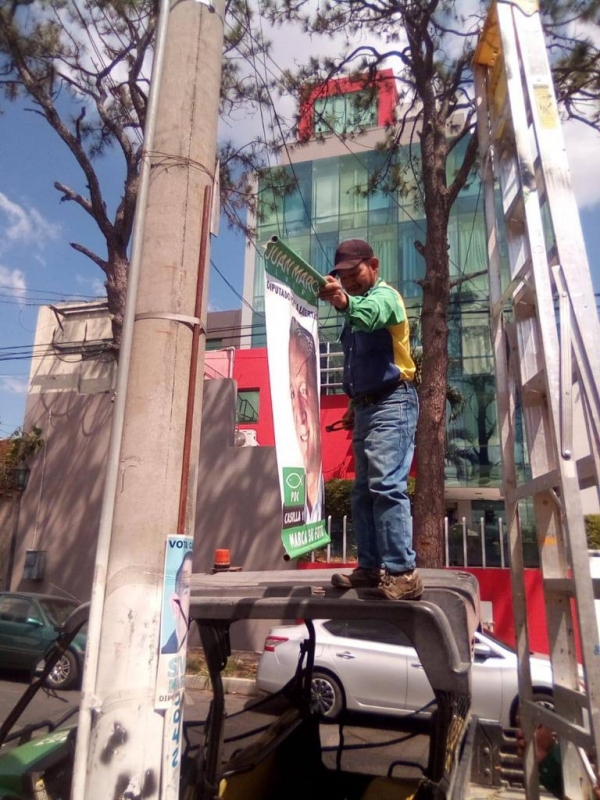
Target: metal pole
(344, 538)
(501, 537)
(464, 540)
(482, 531)
(133, 744)
(446, 542)
(329, 533)
(197, 330)
(116, 432)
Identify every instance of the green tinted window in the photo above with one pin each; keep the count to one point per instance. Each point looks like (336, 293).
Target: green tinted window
(247, 406)
(345, 113)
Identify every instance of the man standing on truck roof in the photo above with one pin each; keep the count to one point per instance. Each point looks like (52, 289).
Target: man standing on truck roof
(378, 377)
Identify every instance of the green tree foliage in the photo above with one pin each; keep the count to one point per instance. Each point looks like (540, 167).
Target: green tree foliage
(85, 68)
(430, 46)
(337, 498)
(592, 529)
(14, 452)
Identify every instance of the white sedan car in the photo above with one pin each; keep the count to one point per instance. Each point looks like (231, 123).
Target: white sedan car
(371, 666)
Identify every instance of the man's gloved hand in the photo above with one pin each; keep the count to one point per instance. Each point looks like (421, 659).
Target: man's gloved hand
(333, 293)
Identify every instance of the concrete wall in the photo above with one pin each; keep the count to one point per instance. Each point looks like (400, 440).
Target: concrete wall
(238, 504)
(60, 508)
(237, 507)
(8, 511)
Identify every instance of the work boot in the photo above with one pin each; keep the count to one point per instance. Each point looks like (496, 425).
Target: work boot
(405, 586)
(359, 578)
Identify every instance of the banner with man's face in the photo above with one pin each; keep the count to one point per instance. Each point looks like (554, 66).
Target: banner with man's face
(293, 351)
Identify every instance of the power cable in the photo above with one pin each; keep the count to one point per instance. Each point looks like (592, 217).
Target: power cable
(284, 144)
(233, 289)
(363, 165)
(248, 330)
(9, 288)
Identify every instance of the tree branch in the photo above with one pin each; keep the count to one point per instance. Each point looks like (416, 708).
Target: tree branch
(104, 265)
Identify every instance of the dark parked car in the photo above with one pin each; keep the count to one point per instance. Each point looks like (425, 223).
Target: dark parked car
(29, 623)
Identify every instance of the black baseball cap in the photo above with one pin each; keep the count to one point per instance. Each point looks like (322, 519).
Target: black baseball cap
(351, 253)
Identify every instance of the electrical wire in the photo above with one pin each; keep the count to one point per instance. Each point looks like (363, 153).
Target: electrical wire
(275, 116)
(5, 287)
(22, 351)
(342, 139)
(233, 289)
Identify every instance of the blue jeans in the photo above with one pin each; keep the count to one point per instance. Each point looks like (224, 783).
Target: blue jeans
(384, 443)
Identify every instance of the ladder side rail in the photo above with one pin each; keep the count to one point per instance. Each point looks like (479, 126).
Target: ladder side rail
(560, 622)
(574, 285)
(530, 362)
(505, 386)
(593, 459)
(566, 368)
(575, 281)
(562, 204)
(589, 390)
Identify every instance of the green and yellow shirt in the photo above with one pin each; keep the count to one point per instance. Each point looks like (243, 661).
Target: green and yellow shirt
(375, 340)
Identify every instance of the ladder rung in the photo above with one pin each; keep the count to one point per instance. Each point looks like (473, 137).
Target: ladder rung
(521, 289)
(561, 586)
(514, 213)
(518, 284)
(543, 483)
(534, 390)
(568, 730)
(586, 472)
(565, 697)
(524, 301)
(566, 586)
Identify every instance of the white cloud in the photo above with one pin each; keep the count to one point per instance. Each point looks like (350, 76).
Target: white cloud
(13, 279)
(14, 385)
(21, 225)
(583, 152)
(94, 286)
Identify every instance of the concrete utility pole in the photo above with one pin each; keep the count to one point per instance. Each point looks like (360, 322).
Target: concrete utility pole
(127, 748)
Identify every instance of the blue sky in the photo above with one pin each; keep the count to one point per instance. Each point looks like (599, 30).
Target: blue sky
(38, 266)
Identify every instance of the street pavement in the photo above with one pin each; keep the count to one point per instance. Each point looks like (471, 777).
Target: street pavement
(241, 695)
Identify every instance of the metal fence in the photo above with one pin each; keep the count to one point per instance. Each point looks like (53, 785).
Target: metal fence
(478, 543)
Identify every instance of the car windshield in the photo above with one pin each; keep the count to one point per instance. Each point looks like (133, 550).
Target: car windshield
(57, 610)
(500, 643)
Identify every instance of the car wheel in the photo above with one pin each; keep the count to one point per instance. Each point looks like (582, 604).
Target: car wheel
(542, 697)
(65, 672)
(326, 695)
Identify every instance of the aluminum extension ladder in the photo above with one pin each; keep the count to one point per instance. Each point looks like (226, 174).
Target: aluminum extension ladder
(546, 340)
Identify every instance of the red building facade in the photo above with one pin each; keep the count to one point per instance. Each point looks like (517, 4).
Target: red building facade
(251, 371)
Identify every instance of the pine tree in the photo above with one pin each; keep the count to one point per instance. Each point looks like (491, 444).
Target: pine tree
(86, 66)
(430, 45)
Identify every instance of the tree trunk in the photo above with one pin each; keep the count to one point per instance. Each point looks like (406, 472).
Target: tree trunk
(116, 290)
(429, 506)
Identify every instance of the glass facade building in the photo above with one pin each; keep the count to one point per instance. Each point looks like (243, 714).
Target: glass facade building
(345, 192)
(331, 202)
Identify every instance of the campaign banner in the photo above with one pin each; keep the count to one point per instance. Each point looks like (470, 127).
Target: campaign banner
(174, 621)
(291, 288)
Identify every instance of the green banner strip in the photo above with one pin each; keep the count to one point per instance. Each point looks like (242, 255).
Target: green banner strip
(284, 264)
(305, 538)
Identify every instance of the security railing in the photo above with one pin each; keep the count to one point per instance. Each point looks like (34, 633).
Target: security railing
(478, 543)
